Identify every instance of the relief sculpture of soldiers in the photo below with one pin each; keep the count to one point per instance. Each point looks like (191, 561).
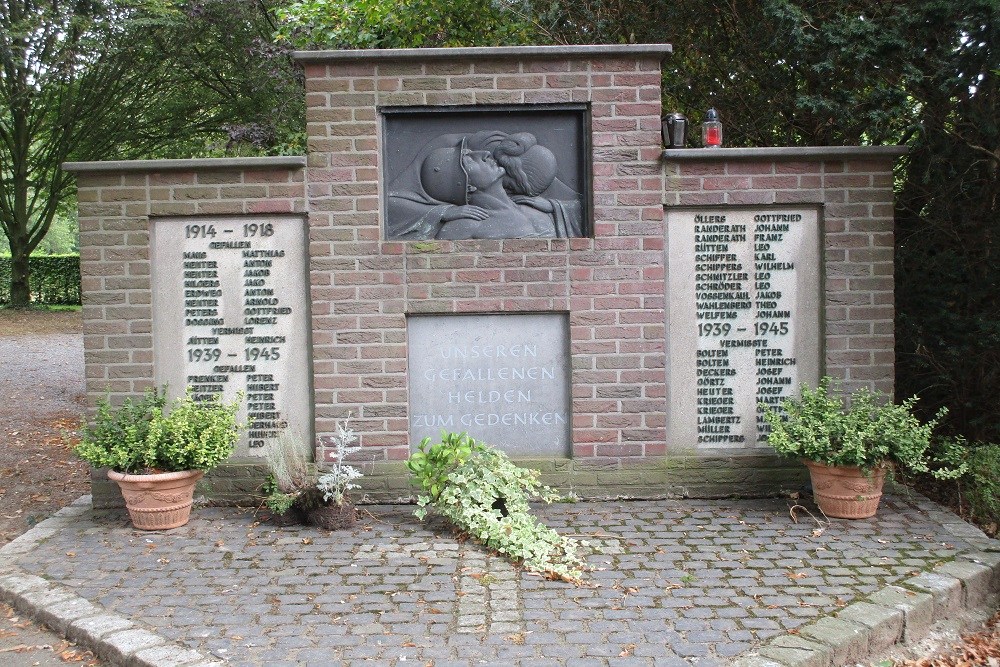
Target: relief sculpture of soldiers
(484, 185)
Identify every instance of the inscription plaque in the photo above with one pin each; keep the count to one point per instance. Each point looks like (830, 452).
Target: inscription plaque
(230, 314)
(503, 379)
(743, 319)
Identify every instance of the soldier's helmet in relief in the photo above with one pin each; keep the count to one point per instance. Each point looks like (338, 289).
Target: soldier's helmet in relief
(443, 176)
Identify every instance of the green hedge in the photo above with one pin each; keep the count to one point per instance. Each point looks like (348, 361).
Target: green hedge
(55, 279)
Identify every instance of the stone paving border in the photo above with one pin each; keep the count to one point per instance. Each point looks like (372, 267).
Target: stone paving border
(863, 629)
(113, 638)
(902, 614)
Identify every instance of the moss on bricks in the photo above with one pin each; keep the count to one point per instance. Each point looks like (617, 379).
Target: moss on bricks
(620, 478)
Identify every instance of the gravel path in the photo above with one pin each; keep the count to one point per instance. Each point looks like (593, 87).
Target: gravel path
(41, 395)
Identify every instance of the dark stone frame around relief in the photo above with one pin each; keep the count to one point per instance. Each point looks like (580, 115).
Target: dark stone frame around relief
(497, 171)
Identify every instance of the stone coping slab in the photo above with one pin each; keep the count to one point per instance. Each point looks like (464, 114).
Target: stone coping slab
(576, 51)
(693, 582)
(785, 153)
(205, 164)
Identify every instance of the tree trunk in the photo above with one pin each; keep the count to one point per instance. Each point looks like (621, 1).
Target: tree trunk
(20, 286)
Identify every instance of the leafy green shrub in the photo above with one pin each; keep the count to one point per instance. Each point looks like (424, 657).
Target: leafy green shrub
(867, 432)
(982, 486)
(140, 437)
(117, 438)
(55, 279)
(370, 24)
(480, 491)
(975, 495)
(433, 463)
(276, 500)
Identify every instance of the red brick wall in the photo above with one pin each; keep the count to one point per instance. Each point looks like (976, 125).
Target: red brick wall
(853, 188)
(611, 285)
(116, 202)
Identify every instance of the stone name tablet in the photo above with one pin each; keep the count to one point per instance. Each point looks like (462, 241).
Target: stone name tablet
(743, 320)
(503, 379)
(230, 313)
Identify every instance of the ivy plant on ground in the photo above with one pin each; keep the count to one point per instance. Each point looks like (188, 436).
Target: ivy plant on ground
(481, 492)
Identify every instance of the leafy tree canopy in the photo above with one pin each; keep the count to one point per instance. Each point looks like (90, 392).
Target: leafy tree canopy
(370, 24)
(102, 80)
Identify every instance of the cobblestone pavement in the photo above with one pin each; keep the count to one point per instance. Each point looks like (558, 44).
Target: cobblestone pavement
(693, 582)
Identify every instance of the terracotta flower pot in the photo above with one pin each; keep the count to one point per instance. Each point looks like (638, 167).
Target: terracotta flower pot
(333, 516)
(845, 492)
(160, 501)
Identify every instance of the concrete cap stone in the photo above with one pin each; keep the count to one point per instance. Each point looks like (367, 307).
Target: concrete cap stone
(26, 542)
(33, 603)
(121, 646)
(885, 623)
(848, 640)
(486, 53)
(90, 630)
(917, 608)
(784, 153)
(13, 585)
(962, 529)
(793, 651)
(990, 559)
(166, 656)
(946, 590)
(220, 164)
(976, 580)
(59, 615)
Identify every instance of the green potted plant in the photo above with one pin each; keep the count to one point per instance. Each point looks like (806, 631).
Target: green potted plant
(850, 443)
(155, 455)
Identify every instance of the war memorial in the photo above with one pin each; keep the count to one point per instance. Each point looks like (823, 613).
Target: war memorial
(494, 240)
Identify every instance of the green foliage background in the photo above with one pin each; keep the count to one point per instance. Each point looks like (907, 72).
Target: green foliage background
(381, 24)
(55, 279)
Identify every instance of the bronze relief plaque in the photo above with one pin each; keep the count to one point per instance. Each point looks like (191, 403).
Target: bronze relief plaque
(486, 172)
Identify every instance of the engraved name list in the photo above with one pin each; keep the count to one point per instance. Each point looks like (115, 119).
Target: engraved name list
(744, 321)
(230, 315)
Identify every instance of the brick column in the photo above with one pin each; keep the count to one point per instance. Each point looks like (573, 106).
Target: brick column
(853, 187)
(364, 286)
(116, 202)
